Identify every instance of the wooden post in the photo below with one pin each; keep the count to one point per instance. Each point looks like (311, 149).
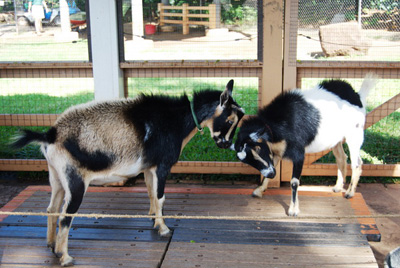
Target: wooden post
(161, 12)
(289, 65)
(185, 19)
(272, 58)
(212, 20)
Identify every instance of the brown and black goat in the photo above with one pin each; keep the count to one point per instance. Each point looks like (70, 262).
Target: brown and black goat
(110, 141)
(307, 121)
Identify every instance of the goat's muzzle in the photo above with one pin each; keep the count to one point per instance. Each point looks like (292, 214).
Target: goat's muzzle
(222, 143)
(269, 172)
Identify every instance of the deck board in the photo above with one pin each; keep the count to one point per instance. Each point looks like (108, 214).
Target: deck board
(110, 242)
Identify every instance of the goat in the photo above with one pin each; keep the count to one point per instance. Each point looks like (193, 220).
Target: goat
(297, 122)
(110, 141)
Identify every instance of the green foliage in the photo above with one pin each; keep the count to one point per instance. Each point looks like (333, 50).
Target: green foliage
(238, 14)
(387, 5)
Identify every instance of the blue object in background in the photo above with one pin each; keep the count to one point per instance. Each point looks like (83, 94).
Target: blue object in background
(47, 15)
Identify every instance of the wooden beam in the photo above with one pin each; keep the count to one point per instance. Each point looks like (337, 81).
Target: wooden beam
(382, 111)
(289, 64)
(272, 57)
(190, 167)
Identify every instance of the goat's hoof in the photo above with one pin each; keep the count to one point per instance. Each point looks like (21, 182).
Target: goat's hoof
(337, 189)
(257, 194)
(348, 196)
(67, 261)
(52, 246)
(57, 254)
(293, 212)
(165, 232)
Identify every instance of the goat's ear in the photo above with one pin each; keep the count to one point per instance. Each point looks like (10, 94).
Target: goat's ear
(227, 94)
(229, 86)
(256, 136)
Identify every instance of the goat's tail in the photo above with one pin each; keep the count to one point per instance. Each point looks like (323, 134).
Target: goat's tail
(368, 84)
(28, 136)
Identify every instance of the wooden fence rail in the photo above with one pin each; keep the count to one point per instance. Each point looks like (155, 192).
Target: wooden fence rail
(186, 18)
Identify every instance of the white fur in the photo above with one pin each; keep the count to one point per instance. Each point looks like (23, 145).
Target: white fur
(339, 119)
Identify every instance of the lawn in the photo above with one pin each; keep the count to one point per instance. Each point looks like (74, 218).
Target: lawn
(30, 96)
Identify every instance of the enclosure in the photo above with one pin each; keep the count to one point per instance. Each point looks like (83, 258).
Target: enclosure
(265, 46)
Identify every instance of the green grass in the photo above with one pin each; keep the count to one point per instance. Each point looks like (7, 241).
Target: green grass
(30, 96)
(12, 50)
(42, 97)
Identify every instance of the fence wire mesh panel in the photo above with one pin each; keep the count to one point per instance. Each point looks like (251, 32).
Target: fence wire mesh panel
(195, 30)
(349, 30)
(32, 102)
(382, 139)
(22, 39)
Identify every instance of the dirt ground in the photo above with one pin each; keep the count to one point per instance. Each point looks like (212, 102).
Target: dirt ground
(380, 198)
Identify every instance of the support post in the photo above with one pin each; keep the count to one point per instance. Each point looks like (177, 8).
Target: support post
(108, 77)
(185, 19)
(161, 12)
(272, 58)
(137, 20)
(289, 65)
(213, 16)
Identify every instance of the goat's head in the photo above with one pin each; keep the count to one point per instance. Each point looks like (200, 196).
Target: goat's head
(226, 118)
(253, 148)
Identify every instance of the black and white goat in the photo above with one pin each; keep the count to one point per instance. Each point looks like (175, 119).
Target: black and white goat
(110, 141)
(307, 121)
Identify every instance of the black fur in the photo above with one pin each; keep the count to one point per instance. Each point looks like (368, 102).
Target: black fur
(29, 136)
(159, 121)
(290, 118)
(77, 189)
(94, 161)
(343, 90)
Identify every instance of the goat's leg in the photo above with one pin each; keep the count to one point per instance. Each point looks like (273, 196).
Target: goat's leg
(294, 209)
(57, 196)
(355, 177)
(341, 161)
(74, 192)
(354, 142)
(159, 176)
(258, 192)
(148, 179)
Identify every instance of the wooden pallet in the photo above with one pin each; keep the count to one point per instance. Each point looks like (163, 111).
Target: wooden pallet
(110, 242)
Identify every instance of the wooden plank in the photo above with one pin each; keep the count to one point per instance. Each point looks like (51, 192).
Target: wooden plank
(44, 65)
(204, 167)
(361, 65)
(382, 111)
(24, 252)
(223, 243)
(82, 233)
(234, 255)
(191, 66)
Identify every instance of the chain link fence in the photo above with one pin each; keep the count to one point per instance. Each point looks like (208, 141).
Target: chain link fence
(370, 14)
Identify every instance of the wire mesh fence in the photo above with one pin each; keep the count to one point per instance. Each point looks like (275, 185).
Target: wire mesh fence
(382, 140)
(52, 95)
(37, 96)
(375, 37)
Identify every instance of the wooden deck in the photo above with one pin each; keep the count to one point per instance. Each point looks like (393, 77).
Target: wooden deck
(109, 242)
